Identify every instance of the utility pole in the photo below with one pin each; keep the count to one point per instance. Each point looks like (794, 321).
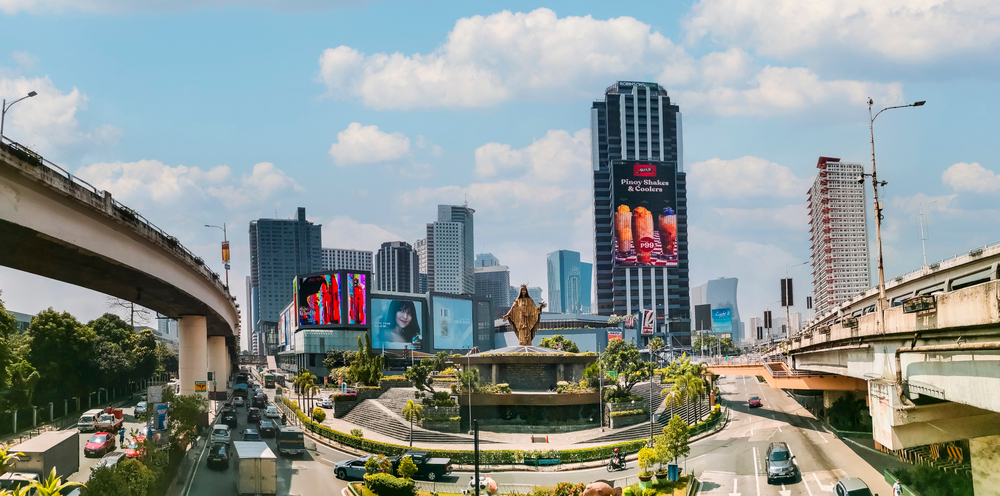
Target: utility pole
(923, 239)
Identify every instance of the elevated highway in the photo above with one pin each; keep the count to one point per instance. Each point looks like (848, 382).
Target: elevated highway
(58, 226)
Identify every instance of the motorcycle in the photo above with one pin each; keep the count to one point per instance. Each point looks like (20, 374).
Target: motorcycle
(616, 463)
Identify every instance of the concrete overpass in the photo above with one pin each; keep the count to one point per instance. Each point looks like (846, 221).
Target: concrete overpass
(58, 226)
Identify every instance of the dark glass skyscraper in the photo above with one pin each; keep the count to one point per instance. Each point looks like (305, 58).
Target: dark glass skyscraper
(636, 121)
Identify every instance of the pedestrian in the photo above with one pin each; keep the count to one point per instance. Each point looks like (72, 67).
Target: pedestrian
(897, 489)
(121, 436)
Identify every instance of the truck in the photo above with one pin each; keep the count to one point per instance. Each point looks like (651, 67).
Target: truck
(88, 421)
(268, 380)
(428, 468)
(290, 440)
(256, 468)
(111, 421)
(54, 449)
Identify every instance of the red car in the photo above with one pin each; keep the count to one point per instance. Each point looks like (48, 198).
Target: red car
(755, 402)
(136, 449)
(100, 444)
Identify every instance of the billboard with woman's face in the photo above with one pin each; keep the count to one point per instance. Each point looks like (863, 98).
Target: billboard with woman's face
(397, 324)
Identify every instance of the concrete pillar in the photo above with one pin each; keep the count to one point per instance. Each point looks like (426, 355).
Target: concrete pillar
(218, 361)
(985, 454)
(192, 356)
(561, 369)
(495, 371)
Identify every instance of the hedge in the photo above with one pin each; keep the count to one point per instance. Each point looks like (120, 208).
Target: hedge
(488, 457)
(393, 378)
(389, 485)
(626, 413)
(345, 397)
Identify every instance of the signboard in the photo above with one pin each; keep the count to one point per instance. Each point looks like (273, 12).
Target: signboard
(225, 251)
(614, 335)
(644, 198)
(648, 322)
(200, 386)
(357, 299)
(452, 323)
(154, 394)
(397, 324)
(722, 320)
(161, 417)
(318, 300)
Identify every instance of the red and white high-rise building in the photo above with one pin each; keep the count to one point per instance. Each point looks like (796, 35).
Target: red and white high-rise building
(838, 226)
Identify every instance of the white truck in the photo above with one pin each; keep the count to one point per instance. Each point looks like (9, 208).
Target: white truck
(88, 421)
(54, 449)
(256, 466)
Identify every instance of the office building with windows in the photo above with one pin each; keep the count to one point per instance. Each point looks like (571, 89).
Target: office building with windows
(341, 259)
(569, 282)
(486, 260)
(450, 251)
(279, 249)
(719, 294)
(493, 283)
(838, 228)
(396, 268)
(637, 121)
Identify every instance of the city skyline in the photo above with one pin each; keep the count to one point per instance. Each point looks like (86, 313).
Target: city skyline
(749, 152)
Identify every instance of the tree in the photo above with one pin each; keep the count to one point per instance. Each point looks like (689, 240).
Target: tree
(23, 379)
(559, 342)
(655, 346)
(128, 310)
(467, 380)
(712, 343)
(420, 375)
(367, 366)
(378, 464)
(338, 358)
(675, 440)
(624, 358)
(413, 413)
(166, 360)
(185, 414)
(845, 413)
(441, 360)
(128, 477)
(407, 468)
(144, 357)
(52, 485)
(304, 382)
(689, 387)
(62, 350)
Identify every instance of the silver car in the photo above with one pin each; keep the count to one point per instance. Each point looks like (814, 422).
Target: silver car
(351, 469)
(851, 487)
(778, 463)
(221, 434)
(140, 409)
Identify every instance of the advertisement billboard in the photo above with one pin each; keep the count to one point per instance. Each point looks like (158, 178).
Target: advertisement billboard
(452, 323)
(722, 320)
(397, 324)
(318, 300)
(644, 218)
(282, 324)
(648, 322)
(357, 299)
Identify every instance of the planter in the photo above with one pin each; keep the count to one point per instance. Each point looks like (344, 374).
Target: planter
(662, 476)
(541, 462)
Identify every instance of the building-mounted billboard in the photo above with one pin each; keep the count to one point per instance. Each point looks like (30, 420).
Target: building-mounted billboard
(644, 197)
(318, 300)
(452, 323)
(357, 299)
(722, 320)
(397, 324)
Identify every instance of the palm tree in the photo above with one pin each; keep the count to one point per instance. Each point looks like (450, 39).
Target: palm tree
(414, 413)
(8, 459)
(311, 390)
(694, 391)
(52, 485)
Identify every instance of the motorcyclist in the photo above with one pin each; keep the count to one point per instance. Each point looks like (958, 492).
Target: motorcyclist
(617, 459)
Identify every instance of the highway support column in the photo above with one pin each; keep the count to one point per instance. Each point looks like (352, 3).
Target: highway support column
(193, 353)
(985, 454)
(218, 362)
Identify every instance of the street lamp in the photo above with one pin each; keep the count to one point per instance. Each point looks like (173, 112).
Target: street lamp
(7, 107)
(878, 205)
(923, 239)
(788, 296)
(225, 240)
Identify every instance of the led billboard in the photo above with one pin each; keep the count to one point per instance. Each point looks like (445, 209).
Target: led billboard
(452, 323)
(318, 300)
(722, 320)
(644, 218)
(397, 324)
(357, 299)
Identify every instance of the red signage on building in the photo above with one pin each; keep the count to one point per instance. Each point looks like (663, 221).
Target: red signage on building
(644, 170)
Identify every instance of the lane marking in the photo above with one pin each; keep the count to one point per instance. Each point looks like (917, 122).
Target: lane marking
(756, 473)
(820, 484)
(806, 483)
(735, 492)
(779, 428)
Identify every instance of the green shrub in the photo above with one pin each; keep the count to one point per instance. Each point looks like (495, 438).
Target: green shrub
(649, 492)
(569, 489)
(345, 397)
(930, 480)
(542, 491)
(389, 485)
(407, 468)
(393, 378)
(358, 433)
(319, 415)
(626, 413)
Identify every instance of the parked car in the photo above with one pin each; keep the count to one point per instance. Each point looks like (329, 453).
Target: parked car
(238, 401)
(229, 418)
(755, 402)
(251, 435)
(326, 404)
(221, 434)
(272, 412)
(267, 428)
(778, 462)
(110, 459)
(852, 486)
(100, 444)
(428, 468)
(140, 409)
(136, 448)
(218, 456)
(350, 469)
(253, 415)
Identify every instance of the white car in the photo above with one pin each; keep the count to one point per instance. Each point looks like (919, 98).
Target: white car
(140, 408)
(326, 404)
(272, 412)
(221, 434)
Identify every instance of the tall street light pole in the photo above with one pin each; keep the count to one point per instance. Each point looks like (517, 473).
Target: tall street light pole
(923, 239)
(878, 205)
(788, 298)
(7, 107)
(225, 240)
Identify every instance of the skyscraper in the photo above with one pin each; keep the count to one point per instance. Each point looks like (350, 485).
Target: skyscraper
(838, 226)
(420, 246)
(493, 283)
(279, 250)
(720, 294)
(343, 259)
(486, 260)
(396, 268)
(636, 121)
(569, 282)
(450, 251)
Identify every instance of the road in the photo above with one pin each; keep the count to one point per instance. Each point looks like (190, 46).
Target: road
(728, 463)
(87, 464)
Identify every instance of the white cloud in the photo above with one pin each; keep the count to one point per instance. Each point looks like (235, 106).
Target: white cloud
(971, 177)
(490, 59)
(792, 217)
(25, 60)
(783, 90)
(745, 177)
(49, 118)
(345, 232)
(126, 6)
(899, 29)
(557, 156)
(367, 145)
(923, 203)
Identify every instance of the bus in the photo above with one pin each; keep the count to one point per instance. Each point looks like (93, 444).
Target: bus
(269, 380)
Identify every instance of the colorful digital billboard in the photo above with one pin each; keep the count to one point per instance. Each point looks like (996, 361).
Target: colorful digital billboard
(357, 299)
(318, 300)
(452, 323)
(397, 324)
(644, 218)
(722, 320)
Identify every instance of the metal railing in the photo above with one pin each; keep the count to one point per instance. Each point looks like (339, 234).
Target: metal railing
(27, 155)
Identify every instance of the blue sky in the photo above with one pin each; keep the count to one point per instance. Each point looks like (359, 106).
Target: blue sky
(370, 114)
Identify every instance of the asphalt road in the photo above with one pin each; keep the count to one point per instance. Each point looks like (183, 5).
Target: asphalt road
(87, 464)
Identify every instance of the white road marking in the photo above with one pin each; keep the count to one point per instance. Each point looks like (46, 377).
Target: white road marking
(784, 492)
(756, 473)
(806, 483)
(734, 493)
(821, 486)
(779, 428)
